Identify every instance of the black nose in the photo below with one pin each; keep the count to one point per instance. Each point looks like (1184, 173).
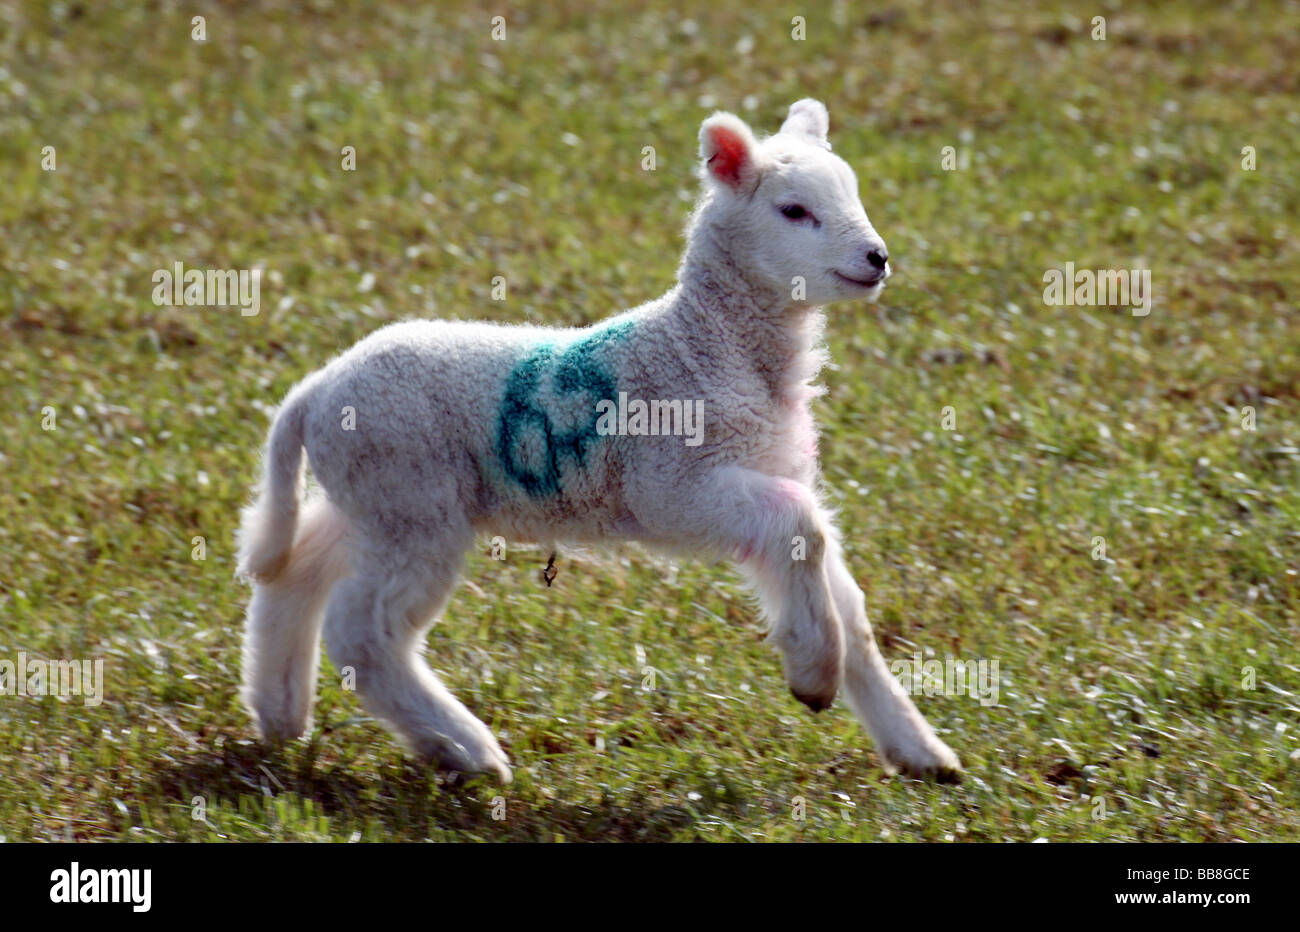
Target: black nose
(878, 258)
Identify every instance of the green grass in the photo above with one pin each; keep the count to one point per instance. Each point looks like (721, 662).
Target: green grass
(1122, 679)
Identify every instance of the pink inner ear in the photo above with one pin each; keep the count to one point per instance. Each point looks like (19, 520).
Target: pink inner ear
(730, 156)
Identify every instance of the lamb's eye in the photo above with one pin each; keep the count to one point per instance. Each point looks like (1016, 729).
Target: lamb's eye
(794, 212)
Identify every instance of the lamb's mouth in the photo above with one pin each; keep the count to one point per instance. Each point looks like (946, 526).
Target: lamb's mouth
(862, 282)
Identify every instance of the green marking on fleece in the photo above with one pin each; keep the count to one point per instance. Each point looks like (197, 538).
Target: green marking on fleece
(577, 370)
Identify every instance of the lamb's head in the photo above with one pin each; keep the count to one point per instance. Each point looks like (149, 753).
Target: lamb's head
(787, 209)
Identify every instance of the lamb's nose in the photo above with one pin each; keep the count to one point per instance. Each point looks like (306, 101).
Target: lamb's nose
(878, 258)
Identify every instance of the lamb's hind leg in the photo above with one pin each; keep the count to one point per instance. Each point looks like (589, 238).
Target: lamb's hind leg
(375, 623)
(903, 737)
(282, 633)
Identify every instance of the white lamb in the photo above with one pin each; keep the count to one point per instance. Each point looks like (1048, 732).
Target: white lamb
(427, 434)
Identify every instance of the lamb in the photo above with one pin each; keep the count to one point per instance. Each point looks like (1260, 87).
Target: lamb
(429, 434)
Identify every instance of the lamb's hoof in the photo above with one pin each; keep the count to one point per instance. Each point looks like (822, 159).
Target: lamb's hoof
(934, 760)
(816, 703)
(944, 774)
(452, 757)
(455, 777)
(277, 723)
(457, 771)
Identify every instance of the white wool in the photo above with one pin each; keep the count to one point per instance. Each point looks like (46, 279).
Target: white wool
(429, 434)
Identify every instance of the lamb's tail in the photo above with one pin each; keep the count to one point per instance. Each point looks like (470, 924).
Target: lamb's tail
(266, 533)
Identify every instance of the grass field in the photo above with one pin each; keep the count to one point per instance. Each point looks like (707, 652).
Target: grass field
(1147, 695)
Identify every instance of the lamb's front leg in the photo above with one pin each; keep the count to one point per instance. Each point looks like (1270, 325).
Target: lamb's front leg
(775, 530)
(903, 737)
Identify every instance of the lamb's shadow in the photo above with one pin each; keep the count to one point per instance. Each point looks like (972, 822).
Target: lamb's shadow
(411, 797)
(242, 768)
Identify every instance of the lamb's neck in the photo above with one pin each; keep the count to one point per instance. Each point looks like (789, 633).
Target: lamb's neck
(725, 314)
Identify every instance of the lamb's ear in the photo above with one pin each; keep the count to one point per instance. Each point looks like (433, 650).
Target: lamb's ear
(808, 118)
(730, 151)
